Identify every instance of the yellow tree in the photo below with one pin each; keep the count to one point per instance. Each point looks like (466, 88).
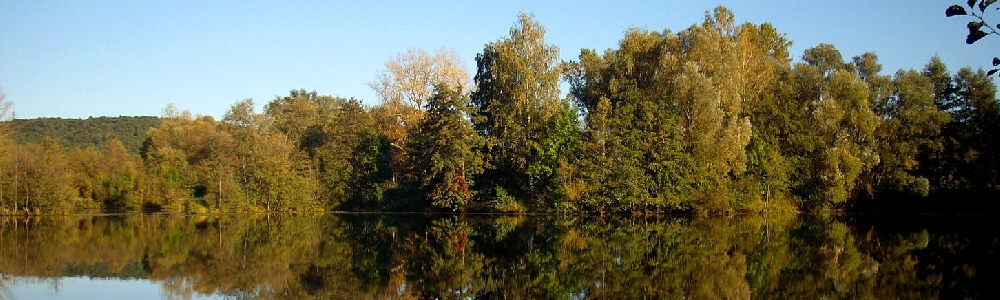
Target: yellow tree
(409, 77)
(404, 86)
(165, 153)
(274, 174)
(837, 143)
(764, 62)
(708, 92)
(665, 115)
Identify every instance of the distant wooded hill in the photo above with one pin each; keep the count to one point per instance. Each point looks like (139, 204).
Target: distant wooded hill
(83, 133)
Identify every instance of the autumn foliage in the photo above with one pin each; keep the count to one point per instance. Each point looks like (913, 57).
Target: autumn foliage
(715, 118)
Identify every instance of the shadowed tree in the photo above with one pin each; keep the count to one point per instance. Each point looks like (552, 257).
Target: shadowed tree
(443, 150)
(911, 124)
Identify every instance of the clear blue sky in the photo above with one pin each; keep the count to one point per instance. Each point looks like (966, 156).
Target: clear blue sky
(75, 59)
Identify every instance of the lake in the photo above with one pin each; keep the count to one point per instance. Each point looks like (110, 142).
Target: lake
(414, 256)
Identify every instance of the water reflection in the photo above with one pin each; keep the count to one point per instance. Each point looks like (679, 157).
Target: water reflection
(371, 256)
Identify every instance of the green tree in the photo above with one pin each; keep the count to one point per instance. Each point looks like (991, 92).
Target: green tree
(119, 178)
(835, 104)
(403, 86)
(352, 159)
(443, 150)
(764, 69)
(94, 132)
(709, 98)
(911, 125)
(275, 175)
(517, 94)
(665, 117)
(171, 153)
(299, 113)
(632, 137)
(967, 157)
(560, 149)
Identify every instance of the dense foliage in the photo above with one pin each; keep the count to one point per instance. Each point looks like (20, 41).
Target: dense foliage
(83, 133)
(716, 118)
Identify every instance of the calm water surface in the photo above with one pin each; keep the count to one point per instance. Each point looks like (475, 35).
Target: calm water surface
(371, 256)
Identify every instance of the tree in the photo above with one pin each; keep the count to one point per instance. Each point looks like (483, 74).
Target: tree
(709, 97)
(517, 94)
(83, 133)
(410, 78)
(443, 150)
(165, 153)
(764, 64)
(967, 158)
(829, 126)
(559, 149)
(301, 113)
(45, 184)
(911, 125)
(275, 174)
(825, 58)
(121, 178)
(348, 156)
(403, 87)
(665, 117)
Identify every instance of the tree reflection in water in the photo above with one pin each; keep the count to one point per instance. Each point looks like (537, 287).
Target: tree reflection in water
(369, 256)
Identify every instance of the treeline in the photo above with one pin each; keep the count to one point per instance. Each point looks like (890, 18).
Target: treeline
(715, 118)
(84, 133)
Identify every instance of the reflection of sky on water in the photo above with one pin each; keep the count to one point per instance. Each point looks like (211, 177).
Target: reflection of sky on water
(28, 288)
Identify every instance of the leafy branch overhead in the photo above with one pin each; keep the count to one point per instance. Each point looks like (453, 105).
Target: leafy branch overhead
(978, 28)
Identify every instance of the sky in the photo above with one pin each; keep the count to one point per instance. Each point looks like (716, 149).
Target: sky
(77, 59)
(86, 288)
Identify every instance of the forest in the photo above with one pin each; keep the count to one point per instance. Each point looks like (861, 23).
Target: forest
(84, 133)
(717, 118)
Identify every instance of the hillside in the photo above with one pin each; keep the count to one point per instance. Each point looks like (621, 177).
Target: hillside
(82, 133)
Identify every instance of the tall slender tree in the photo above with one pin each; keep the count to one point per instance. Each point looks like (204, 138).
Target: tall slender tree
(517, 94)
(5, 108)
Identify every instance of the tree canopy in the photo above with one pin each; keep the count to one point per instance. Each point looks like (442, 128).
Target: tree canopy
(715, 118)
